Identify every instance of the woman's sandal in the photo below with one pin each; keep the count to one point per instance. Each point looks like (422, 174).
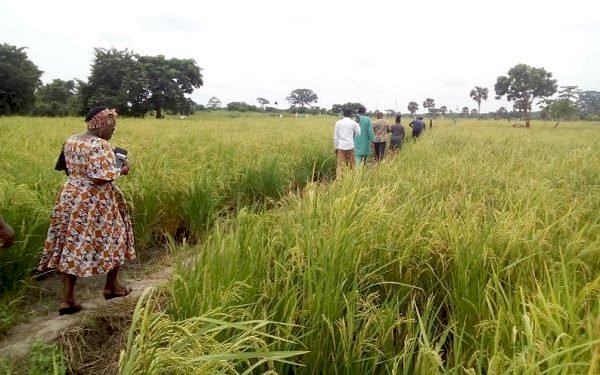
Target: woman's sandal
(110, 294)
(71, 309)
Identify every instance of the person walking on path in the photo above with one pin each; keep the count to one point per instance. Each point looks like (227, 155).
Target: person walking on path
(90, 229)
(363, 141)
(397, 138)
(380, 129)
(417, 127)
(343, 141)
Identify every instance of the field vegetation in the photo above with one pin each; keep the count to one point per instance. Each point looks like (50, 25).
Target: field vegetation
(186, 174)
(474, 250)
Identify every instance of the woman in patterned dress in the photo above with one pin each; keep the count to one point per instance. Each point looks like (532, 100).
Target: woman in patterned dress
(90, 230)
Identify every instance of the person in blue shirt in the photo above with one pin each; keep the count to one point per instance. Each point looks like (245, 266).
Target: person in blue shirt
(417, 127)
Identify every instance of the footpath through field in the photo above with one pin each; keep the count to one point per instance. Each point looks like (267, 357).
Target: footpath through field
(50, 327)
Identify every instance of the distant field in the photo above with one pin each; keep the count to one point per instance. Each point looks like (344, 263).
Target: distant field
(475, 250)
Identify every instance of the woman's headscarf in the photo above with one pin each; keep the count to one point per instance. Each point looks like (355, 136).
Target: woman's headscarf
(103, 119)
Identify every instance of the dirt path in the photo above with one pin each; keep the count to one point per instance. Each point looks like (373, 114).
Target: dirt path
(50, 326)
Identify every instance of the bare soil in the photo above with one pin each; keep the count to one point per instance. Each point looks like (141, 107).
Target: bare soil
(99, 327)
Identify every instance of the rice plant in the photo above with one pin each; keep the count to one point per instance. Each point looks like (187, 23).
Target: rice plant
(475, 250)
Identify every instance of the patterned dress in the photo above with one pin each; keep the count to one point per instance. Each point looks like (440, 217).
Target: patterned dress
(90, 229)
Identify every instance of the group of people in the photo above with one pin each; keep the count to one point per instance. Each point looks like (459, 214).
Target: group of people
(90, 229)
(354, 139)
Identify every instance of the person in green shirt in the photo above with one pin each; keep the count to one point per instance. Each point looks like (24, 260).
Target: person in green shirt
(363, 143)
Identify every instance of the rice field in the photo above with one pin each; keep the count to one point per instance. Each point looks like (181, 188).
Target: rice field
(186, 174)
(473, 251)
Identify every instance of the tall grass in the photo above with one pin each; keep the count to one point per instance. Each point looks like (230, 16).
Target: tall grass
(211, 343)
(43, 359)
(475, 250)
(186, 174)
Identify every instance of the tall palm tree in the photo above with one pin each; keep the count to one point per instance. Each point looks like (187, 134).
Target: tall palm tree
(478, 94)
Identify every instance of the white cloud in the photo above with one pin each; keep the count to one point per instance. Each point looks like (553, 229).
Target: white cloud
(381, 53)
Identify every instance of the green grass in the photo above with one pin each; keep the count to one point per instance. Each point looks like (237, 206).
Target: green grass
(476, 250)
(43, 359)
(186, 175)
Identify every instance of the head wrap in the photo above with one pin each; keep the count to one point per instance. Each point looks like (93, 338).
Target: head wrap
(103, 119)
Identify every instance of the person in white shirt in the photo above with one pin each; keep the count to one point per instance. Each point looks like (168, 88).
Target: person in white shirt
(343, 141)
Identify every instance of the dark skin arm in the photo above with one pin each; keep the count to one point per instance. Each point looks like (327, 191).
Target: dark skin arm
(7, 235)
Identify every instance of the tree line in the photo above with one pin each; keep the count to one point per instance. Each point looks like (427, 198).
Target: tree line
(136, 84)
(121, 79)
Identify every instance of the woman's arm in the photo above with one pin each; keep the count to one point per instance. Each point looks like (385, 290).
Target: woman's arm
(125, 167)
(7, 235)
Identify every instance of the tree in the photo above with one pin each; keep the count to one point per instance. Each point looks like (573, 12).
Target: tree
(19, 78)
(569, 92)
(302, 97)
(524, 84)
(241, 107)
(564, 107)
(465, 111)
(474, 112)
(338, 108)
(168, 81)
(589, 103)
(185, 106)
(430, 105)
(117, 80)
(315, 110)
(214, 103)
(559, 109)
(443, 110)
(519, 107)
(502, 113)
(413, 107)
(390, 112)
(262, 102)
(135, 84)
(58, 98)
(478, 94)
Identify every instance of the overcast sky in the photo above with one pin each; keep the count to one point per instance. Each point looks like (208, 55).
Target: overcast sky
(380, 53)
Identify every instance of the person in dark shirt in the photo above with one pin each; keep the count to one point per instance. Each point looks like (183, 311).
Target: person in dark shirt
(417, 127)
(397, 138)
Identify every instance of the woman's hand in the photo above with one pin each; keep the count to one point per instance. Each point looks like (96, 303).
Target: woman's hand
(7, 235)
(125, 167)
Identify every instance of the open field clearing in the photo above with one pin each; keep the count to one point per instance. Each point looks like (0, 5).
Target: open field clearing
(474, 250)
